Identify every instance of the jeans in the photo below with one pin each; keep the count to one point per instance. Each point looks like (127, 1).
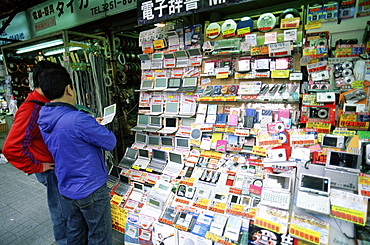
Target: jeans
(58, 206)
(90, 220)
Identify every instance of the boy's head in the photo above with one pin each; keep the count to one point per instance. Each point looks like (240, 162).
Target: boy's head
(57, 84)
(40, 67)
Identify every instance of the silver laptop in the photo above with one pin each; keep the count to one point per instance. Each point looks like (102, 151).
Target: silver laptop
(343, 168)
(154, 140)
(173, 84)
(160, 83)
(109, 113)
(129, 158)
(146, 85)
(155, 109)
(182, 143)
(313, 193)
(171, 108)
(169, 60)
(157, 61)
(155, 124)
(170, 126)
(142, 123)
(182, 59)
(159, 161)
(141, 138)
(276, 191)
(124, 185)
(188, 84)
(142, 160)
(145, 61)
(174, 165)
(137, 192)
(113, 176)
(167, 141)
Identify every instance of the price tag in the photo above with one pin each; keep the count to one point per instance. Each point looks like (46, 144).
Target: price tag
(268, 224)
(116, 200)
(305, 234)
(243, 31)
(258, 150)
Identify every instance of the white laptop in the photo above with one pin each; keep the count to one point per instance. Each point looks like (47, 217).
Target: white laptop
(157, 199)
(188, 84)
(182, 59)
(146, 85)
(170, 126)
(109, 113)
(343, 168)
(142, 160)
(137, 192)
(141, 139)
(160, 83)
(142, 123)
(155, 124)
(276, 191)
(171, 108)
(174, 165)
(155, 109)
(129, 158)
(158, 162)
(154, 140)
(185, 127)
(313, 193)
(173, 84)
(182, 143)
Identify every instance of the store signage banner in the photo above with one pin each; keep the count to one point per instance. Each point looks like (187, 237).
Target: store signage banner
(56, 15)
(17, 30)
(151, 11)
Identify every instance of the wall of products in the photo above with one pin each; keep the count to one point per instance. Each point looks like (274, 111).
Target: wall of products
(249, 131)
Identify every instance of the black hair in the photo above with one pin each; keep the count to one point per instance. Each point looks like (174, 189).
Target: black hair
(53, 83)
(40, 67)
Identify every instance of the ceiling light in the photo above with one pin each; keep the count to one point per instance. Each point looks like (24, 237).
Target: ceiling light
(61, 50)
(162, 24)
(40, 46)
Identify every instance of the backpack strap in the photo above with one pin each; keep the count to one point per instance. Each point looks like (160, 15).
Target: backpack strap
(36, 102)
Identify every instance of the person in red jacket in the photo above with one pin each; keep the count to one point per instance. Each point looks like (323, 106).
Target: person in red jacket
(25, 149)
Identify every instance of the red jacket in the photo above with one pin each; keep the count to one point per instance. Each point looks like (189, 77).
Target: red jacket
(24, 147)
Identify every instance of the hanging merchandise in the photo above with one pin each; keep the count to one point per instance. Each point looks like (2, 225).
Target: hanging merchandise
(213, 30)
(245, 26)
(266, 22)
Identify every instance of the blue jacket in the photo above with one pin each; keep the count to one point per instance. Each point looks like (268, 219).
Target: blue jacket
(76, 141)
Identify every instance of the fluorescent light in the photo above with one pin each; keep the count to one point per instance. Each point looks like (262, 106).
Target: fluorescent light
(160, 24)
(61, 50)
(40, 46)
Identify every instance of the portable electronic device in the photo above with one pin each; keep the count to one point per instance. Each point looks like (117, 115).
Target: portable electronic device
(174, 165)
(160, 83)
(146, 62)
(218, 224)
(332, 140)
(182, 143)
(154, 140)
(141, 139)
(155, 124)
(167, 141)
(276, 191)
(232, 229)
(142, 123)
(343, 168)
(170, 126)
(137, 192)
(187, 109)
(113, 176)
(173, 84)
(182, 59)
(159, 161)
(313, 193)
(155, 109)
(190, 191)
(142, 160)
(146, 85)
(109, 113)
(171, 108)
(124, 185)
(188, 84)
(129, 158)
(157, 61)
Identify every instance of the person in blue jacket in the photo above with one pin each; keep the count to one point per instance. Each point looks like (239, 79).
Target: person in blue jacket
(76, 141)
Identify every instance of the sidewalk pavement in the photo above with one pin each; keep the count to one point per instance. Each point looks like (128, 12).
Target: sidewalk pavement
(24, 215)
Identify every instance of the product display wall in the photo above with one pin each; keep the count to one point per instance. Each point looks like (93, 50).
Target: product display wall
(249, 131)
